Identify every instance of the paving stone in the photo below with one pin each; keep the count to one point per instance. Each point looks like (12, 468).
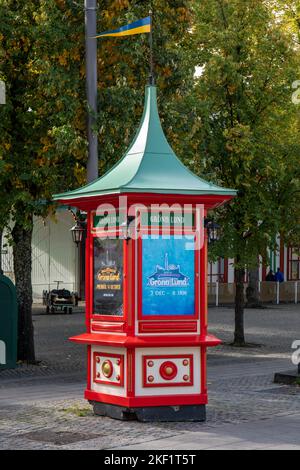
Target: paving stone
(41, 407)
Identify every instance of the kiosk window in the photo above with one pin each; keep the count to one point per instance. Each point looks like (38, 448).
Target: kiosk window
(168, 277)
(108, 277)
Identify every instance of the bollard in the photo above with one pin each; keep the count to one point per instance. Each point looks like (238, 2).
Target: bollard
(278, 293)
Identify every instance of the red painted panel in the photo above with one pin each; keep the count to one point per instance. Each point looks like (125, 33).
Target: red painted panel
(108, 326)
(130, 372)
(96, 380)
(203, 286)
(91, 203)
(136, 402)
(146, 341)
(169, 357)
(87, 276)
(89, 367)
(168, 327)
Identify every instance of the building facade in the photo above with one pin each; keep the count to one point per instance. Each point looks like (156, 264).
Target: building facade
(56, 258)
(287, 258)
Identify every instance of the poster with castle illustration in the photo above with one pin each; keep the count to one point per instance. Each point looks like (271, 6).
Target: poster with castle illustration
(108, 277)
(168, 277)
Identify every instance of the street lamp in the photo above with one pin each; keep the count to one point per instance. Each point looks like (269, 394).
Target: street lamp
(213, 230)
(77, 232)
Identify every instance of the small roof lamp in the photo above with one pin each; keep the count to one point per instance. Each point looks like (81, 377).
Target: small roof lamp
(213, 231)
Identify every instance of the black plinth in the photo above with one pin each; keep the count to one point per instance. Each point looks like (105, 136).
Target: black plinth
(157, 414)
(289, 377)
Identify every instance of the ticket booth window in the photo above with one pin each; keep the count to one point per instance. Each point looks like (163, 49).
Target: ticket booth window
(108, 277)
(168, 277)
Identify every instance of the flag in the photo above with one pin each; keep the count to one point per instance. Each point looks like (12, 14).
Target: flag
(138, 27)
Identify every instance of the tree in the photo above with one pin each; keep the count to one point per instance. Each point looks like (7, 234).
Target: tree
(243, 100)
(43, 129)
(289, 13)
(42, 106)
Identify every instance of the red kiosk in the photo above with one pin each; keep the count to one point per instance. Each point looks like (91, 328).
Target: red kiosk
(146, 281)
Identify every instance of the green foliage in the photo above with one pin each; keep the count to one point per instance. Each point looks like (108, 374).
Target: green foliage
(78, 411)
(247, 121)
(43, 146)
(42, 102)
(237, 126)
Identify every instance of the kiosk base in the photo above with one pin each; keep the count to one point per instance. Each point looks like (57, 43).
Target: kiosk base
(151, 414)
(290, 377)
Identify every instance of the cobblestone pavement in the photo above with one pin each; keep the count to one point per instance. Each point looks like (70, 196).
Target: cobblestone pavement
(41, 406)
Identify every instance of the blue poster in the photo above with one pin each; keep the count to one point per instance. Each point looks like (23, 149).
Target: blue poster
(168, 277)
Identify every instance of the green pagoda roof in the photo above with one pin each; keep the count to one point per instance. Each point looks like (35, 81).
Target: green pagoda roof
(149, 166)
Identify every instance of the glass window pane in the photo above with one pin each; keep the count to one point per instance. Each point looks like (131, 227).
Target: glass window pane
(294, 270)
(108, 277)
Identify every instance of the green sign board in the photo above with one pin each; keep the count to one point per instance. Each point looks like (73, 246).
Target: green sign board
(8, 324)
(167, 219)
(107, 220)
(149, 219)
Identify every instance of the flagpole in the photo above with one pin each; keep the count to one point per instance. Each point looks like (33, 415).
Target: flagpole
(91, 86)
(152, 76)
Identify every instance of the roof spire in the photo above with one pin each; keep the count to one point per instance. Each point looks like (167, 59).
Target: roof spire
(149, 166)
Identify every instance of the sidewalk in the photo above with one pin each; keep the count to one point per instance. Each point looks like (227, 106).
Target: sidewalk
(42, 407)
(279, 433)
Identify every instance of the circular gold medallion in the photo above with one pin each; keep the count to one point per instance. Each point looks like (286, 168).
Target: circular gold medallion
(107, 369)
(168, 370)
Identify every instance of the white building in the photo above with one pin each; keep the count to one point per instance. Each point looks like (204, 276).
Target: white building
(286, 258)
(55, 257)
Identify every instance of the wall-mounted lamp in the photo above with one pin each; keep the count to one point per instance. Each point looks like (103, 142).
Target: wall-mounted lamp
(77, 232)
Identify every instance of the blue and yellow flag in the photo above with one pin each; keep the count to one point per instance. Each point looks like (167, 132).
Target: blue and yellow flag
(138, 27)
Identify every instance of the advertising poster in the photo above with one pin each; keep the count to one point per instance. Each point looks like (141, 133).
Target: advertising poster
(108, 277)
(168, 277)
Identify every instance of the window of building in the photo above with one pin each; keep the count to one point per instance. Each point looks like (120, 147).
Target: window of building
(293, 264)
(218, 272)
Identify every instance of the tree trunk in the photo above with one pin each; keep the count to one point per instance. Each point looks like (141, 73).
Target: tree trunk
(22, 238)
(239, 334)
(253, 296)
